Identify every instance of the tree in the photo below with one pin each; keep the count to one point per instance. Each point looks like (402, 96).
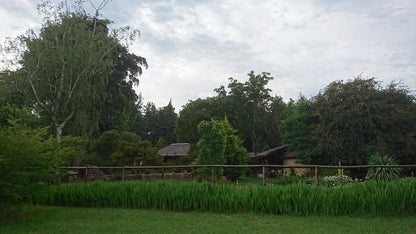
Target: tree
(298, 129)
(248, 106)
(250, 102)
(66, 68)
(191, 115)
(122, 106)
(235, 153)
(220, 144)
(109, 142)
(121, 148)
(211, 147)
(159, 123)
(349, 121)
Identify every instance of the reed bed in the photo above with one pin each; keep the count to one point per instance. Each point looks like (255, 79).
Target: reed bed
(394, 197)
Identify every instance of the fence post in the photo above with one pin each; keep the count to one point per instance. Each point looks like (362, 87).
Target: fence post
(163, 173)
(264, 175)
(86, 174)
(122, 175)
(316, 176)
(372, 172)
(212, 174)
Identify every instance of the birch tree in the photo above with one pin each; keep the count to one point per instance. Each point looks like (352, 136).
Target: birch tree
(66, 66)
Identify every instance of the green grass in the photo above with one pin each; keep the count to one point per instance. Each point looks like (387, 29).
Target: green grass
(43, 219)
(395, 197)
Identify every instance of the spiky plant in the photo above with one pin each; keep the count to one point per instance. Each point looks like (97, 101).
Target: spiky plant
(383, 173)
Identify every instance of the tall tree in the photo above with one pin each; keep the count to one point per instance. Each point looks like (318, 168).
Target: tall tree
(248, 106)
(191, 115)
(168, 120)
(66, 67)
(159, 123)
(122, 105)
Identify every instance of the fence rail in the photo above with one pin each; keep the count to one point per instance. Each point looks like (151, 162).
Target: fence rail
(213, 167)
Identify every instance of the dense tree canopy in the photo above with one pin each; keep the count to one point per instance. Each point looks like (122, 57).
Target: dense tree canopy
(121, 148)
(249, 107)
(121, 109)
(351, 120)
(219, 144)
(159, 123)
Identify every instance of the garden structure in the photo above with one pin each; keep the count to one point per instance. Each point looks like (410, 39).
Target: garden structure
(173, 152)
(280, 156)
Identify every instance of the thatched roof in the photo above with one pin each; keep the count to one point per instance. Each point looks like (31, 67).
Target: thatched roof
(175, 149)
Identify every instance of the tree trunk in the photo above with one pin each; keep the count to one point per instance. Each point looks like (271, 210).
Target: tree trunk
(59, 132)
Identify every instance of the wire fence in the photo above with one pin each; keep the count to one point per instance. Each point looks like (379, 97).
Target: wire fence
(88, 173)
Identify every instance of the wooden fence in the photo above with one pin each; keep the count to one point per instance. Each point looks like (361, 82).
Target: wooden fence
(213, 167)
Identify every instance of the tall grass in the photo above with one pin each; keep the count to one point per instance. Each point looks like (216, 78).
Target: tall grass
(383, 197)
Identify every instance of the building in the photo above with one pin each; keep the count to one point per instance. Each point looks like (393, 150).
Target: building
(281, 156)
(173, 153)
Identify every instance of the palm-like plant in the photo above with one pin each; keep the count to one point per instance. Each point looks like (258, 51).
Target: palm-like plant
(383, 173)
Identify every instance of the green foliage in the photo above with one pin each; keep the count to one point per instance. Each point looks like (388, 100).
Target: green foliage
(386, 198)
(66, 67)
(121, 110)
(235, 153)
(349, 121)
(28, 160)
(160, 143)
(77, 73)
(335, 180)
(159, 123)
(135, 153)
(248, 106)
(383, 173)
(220, 144)
(25, 116)
(191, 115)
(121, 148)
(211, 147)
(108, 143)
(298, 130)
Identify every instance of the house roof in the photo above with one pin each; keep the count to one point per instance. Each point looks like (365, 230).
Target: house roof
(269, 152)
(175, 149)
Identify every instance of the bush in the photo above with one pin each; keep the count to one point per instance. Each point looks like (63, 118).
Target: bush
(29, 159)
(336, 180)
(383, 173)
(109, 142)
(135, 153)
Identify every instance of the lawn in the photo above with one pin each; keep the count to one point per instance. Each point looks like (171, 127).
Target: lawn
(49, 219)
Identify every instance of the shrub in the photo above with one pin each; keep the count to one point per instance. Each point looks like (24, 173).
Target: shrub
(336, 180)
(383, 173)
(29, 159)
(135, 153)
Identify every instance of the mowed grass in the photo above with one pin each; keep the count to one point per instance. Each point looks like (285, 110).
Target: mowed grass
(49, 219)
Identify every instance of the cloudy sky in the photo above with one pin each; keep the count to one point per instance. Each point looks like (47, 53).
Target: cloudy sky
(194, 46)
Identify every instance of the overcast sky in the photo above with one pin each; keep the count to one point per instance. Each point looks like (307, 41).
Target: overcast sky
(194, 46)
